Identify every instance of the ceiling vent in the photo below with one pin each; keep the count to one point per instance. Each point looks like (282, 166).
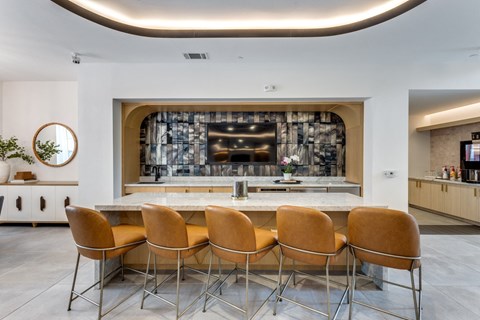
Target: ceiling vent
(196, 56)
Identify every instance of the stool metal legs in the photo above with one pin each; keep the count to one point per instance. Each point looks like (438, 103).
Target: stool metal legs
(180, 274)
(281, 288)
(102, 283)
(218, 288)
(417, 303)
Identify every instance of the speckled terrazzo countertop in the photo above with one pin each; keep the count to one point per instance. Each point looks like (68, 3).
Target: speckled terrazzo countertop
(457, 182)
(252, 182)
(255, 202)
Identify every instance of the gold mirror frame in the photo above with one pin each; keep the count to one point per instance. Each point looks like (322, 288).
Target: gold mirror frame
(74, 153)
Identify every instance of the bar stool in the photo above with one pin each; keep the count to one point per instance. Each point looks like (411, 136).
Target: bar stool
(168, 236)
(307, 235)
(96, 239)
(234, 238)
(387, 238)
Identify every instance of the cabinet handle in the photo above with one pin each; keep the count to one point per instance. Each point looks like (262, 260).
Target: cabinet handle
(420, 183)
(18, 203)
(42, 203)
(416, 184)
(66, 202)
(446, 188)
(474, 192)
(442, 187)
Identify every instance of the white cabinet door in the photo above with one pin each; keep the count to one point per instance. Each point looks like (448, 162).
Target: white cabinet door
(3, 209)
(19, 203)
(64, 195)
(43, 203)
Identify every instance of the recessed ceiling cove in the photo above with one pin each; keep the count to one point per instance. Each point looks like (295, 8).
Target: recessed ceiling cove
(246, 18)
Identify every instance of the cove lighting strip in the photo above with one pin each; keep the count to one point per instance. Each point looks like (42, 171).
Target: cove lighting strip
(180, 24)
(456, 114)
(175, 27)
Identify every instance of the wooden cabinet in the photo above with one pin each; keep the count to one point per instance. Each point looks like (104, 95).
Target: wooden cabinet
(454, 199)
(135, 189)
(36, 203)
(437, 197)
(177, 189)
(419, 193)
(130, 190)
(470, 203)
(446, 198)
(222, 190)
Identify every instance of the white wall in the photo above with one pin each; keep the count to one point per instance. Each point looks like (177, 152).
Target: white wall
(386, 108)
(419, 148)
(29, 105)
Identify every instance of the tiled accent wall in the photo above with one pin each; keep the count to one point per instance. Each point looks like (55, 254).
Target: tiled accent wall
(177, 142)
(445, 145)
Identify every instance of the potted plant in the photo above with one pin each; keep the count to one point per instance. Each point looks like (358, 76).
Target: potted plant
(10, 149)
(288, 166)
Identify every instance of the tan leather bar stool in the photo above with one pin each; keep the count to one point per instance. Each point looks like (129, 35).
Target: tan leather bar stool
(168, 236)
(234, 238)
(387, 238)
(97, 240)
(307, 235)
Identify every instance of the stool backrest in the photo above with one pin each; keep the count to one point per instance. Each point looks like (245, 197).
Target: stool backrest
(164, 227)
(89, 229)
(387, 231)
(306, 229)
(230, 229)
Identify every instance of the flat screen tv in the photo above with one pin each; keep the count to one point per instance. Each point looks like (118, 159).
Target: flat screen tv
(241, 143)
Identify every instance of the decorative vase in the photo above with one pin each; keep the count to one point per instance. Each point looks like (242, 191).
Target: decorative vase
(4, 171)
(287, 176)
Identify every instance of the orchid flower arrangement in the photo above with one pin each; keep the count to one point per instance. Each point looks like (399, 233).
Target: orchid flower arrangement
(288, 163)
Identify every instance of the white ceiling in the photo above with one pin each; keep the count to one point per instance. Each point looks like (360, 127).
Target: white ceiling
(431, 101)
(38, 36)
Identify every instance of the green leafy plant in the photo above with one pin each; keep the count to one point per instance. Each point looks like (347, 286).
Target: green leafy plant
(10, 149)
(46, 150)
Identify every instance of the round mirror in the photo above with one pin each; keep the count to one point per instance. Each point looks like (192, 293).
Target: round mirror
(55, 144)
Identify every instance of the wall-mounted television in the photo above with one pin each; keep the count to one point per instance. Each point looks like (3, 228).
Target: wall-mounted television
(241, 143)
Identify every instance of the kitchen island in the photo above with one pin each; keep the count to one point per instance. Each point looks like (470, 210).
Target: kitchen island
(260, 207)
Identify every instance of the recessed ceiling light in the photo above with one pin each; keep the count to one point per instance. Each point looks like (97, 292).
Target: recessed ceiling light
(125, 17)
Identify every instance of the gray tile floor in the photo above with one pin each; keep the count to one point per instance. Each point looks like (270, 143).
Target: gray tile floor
(36, 267)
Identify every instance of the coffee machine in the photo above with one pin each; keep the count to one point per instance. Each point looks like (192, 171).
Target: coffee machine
(470, 160)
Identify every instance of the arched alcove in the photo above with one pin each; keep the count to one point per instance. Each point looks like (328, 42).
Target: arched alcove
(135, 113)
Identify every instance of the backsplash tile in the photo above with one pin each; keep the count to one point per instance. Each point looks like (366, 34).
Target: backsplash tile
(177, 142)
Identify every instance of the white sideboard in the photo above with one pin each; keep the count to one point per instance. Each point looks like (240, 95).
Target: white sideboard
(38, 202)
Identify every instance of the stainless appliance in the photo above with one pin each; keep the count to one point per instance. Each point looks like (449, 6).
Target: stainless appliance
(240, 190)
(471, 175)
